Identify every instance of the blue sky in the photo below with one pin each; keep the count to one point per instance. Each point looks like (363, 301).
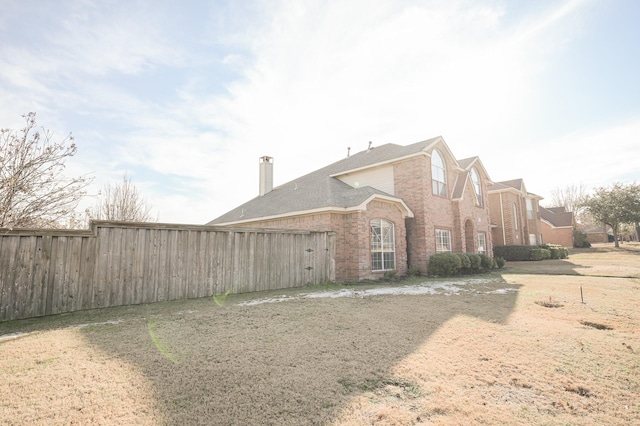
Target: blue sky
(186, 96)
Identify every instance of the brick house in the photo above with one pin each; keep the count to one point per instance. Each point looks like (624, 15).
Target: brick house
(515, 213)
(391, 207)
(557, 226)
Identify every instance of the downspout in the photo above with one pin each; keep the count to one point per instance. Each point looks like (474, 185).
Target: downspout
(504, 234)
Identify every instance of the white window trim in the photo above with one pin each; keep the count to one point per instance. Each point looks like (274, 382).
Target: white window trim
(443, 241)
(377, 244)
(477, 187)
(482, 245)
(438, 187)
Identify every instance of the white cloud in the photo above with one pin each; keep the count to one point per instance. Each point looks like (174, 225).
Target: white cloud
(308, 79)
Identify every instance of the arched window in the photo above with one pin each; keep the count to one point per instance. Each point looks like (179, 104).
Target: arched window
(475, 179)
(383, 246)
(438, 175)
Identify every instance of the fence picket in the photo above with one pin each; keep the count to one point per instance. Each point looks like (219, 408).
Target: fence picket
(44, 272)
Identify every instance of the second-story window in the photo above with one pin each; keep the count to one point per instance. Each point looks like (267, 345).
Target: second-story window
(529, 208)
(475, 179)
(438, 174)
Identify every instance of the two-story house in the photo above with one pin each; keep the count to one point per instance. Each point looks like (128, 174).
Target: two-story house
(390, 206)
(515, 213)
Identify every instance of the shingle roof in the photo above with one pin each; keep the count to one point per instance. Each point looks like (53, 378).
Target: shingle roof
(556, 216)
(319, 189)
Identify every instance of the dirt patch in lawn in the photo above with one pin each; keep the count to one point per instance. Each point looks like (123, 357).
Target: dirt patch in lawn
(464, 352)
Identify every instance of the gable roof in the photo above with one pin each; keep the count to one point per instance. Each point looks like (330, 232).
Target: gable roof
(556, 216)
(322, 191)
(512, 185)
(467, 164)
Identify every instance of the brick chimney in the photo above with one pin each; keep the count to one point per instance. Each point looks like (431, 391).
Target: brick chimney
(266, 174)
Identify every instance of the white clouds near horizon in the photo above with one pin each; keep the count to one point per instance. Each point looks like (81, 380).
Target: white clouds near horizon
(187, 101)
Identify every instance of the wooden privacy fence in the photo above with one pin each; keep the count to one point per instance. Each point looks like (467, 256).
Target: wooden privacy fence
(44, 272)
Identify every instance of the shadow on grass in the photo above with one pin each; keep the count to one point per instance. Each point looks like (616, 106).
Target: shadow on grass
(294, 362)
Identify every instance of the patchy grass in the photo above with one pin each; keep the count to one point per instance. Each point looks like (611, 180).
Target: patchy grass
(486, 353)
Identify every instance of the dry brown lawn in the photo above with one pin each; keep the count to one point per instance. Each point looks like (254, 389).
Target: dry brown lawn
(516, 346)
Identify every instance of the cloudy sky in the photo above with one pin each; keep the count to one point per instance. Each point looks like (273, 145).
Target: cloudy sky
(186, 96)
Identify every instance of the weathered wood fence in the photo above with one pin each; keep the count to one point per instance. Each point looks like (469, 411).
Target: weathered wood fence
(44, 272)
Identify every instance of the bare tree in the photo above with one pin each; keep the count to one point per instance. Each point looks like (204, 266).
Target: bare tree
(33, 189)
(122, 201)
(571, 198)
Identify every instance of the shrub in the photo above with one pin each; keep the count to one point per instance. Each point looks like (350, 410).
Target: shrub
(465, 262)
(521, 252)
(540, 254)
(557, 251)
(580, 239)
(444, 264)
(485, 261)
(499, 262)
(475, 262)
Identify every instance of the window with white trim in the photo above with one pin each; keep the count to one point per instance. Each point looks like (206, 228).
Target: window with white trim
(443, 240)
(515, 216)
(438, 175)
(529, 208)
(482, 243)
(383, 245)
(475, 179)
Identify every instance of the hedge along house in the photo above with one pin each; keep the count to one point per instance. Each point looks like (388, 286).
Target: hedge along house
(515, 213)
(391, 207)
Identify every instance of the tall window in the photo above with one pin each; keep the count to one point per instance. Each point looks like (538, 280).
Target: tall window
(515, 216)
(443, 240)
(438, 175)
(529, 208)
(475, 179)
(482, 243)
(383, 246)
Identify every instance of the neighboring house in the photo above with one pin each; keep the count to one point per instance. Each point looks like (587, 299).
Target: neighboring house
(596, 233)
(557, 226)
(515, 214)
(391, 207)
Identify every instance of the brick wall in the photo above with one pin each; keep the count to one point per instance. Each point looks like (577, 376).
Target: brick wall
(353, 233)
(509, 234)
(552, 235)
(413, 184)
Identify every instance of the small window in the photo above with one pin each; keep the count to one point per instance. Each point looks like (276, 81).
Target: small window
(482, 243)
(515, 217)
(438, 175)
(475, 179)
(383, 246)
(443, 240)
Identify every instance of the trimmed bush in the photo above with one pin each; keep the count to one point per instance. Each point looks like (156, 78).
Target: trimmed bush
(475, 262)
(557, 251)
(444, 264)
(513, 252)
(485, 261)
(465, 263)
(499, 262)
(540, 254)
